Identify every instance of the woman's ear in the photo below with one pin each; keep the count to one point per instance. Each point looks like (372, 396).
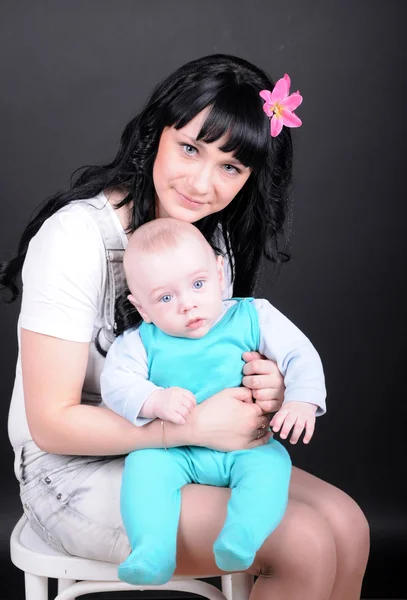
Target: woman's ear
(220, 263)
(140, 309)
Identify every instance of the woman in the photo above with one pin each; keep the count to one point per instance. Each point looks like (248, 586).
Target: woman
(200, 151)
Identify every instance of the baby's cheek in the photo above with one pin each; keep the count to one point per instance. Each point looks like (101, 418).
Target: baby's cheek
(170, 325)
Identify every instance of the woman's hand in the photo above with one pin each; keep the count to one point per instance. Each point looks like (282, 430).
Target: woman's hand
(228, 421)
(263, 378)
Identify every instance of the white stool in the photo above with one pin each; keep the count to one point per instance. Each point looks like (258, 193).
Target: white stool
(79, 576)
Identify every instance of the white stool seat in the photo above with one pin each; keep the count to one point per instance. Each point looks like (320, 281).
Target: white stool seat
(78, 576)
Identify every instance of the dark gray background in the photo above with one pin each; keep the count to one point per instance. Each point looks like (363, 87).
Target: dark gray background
(73, 73)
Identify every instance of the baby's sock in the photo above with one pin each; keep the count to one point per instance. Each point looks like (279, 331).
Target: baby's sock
(235, 548)
(147, 566)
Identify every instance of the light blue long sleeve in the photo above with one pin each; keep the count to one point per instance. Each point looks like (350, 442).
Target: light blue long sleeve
(124, 381)
(296, 357)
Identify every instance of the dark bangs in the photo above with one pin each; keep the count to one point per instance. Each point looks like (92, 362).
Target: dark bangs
(236, 111)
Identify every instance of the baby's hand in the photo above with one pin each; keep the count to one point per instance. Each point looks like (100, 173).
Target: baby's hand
(296, 416)
(173, 404)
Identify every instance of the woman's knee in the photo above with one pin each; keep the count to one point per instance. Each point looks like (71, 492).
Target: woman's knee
(346, 520)
(350, 528)
(302, 547)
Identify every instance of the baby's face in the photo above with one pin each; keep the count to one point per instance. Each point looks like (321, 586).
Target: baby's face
(180, 289)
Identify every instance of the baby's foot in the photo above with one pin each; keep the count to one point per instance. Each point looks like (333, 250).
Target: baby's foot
(234, 549)
(141, 569)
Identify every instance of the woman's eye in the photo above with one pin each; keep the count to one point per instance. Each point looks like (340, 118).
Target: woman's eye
(231, 169)
(190, 150)
(165, 299)
(198, 284)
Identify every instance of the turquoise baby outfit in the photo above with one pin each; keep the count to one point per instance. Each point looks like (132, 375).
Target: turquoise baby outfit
(186, 362)
(153, 478)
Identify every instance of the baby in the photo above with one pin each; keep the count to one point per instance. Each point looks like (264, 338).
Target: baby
(188, 348)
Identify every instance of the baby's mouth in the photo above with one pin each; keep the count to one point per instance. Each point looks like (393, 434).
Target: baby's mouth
(195, 323)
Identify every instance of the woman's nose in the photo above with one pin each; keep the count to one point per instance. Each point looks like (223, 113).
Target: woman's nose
(200, 180)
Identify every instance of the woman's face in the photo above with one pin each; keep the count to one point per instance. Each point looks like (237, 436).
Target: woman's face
(193, 179)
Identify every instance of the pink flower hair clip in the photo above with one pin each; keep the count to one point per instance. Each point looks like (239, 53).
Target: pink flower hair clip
(279, 105)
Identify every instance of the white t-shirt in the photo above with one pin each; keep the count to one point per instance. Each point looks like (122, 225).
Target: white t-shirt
(64, 279)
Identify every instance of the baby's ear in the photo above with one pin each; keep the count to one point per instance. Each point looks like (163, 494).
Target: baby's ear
(140, 309)
(221, 270)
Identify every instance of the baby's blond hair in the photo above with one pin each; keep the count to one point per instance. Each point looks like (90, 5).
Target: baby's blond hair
(159, 234)
(156, 236)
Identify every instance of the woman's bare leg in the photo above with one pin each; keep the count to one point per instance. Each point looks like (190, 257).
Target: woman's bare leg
(348, 526)
(297, 562)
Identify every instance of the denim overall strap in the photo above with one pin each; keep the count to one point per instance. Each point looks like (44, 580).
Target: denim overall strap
(101, 212)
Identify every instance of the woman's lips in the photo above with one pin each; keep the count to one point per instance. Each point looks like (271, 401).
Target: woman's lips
(189, 202)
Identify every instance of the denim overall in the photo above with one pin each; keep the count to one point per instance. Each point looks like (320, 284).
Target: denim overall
(73, 502)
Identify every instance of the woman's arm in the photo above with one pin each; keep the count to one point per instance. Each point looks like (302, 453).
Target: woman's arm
(53, 376)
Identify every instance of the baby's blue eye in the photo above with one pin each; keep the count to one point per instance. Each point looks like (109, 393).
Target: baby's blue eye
(167, 298)
(198, 284)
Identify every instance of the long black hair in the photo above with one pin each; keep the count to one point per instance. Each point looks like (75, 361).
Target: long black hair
(252, 224)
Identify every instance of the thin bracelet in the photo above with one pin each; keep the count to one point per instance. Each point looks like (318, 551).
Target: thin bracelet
(164, 438)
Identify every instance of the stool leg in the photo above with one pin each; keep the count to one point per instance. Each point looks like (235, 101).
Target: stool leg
(238, 587)
(64, 584)
(36, 587)
(226, 586)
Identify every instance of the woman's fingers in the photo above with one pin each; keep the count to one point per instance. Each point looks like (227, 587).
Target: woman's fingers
(262, 428)
(268, 406)
(264, 421)
(265, 387)
(261, 440)
(252, 355)
(262, 376)
(242, 393)
(256, 382)
(260, 367)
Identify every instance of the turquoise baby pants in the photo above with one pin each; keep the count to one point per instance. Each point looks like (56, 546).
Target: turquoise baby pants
(151, 503)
